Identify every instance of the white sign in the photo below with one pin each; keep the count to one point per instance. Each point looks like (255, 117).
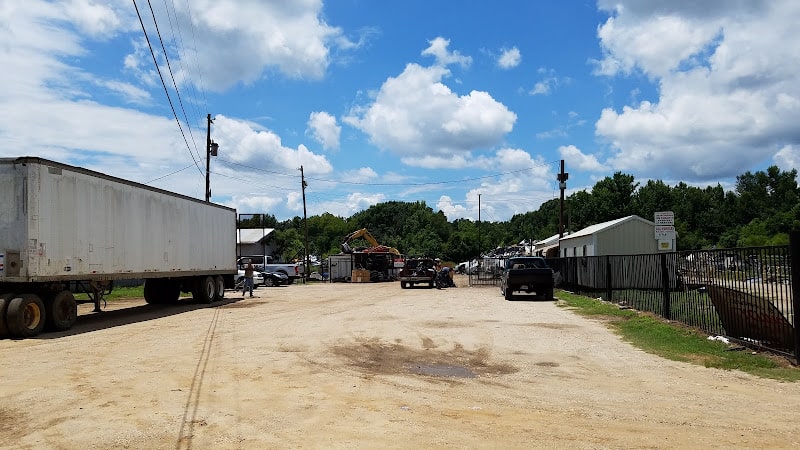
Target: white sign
(664, 232)
(665, 218)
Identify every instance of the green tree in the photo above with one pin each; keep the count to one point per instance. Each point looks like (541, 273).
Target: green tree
(289, 244)
(612, 197)
(653, 197)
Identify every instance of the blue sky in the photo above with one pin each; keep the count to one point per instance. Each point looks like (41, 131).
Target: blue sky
(434, 101)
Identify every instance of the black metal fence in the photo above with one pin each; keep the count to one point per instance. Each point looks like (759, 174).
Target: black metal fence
(744, 294)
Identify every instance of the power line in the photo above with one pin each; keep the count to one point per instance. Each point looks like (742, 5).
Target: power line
(172, 75)
(168, 175)
(357, 183)
(178, 40)
(432, 183)
(164, 84)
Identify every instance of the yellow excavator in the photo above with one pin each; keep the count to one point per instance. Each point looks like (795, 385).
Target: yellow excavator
(364, 233)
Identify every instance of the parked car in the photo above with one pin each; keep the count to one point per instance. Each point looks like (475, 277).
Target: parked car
(258, 278)
(275, 278)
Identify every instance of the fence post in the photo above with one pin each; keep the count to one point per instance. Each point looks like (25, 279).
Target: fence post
(794, 260)
(665, 287)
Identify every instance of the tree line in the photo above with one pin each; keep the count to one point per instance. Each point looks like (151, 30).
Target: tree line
(761, 211)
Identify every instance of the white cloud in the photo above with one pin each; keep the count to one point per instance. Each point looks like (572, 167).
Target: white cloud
(728, 87)
(509, 58)
(581, 161)
(238, 42)
(93, 17)
(245, 143)
(444, 57)
(418, 118)
(548, 82)
(361, 175)
(325, 130)
(526, 183)
(453, 210)
(788, 158)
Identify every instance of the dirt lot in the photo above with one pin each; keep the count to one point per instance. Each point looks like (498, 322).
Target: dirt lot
(370, 366)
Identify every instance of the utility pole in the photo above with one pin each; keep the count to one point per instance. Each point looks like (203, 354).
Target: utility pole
(305, 224)
(211, 150)
(562, 185)
(479, 225)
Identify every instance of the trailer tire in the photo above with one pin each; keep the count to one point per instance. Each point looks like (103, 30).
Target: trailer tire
(403, 285)
(219, 294)
(4, 300)
(26, 316)
(205, 289)
(509, 294)
(61, 311)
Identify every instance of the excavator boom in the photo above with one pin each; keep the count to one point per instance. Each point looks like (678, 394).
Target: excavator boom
(364, 233)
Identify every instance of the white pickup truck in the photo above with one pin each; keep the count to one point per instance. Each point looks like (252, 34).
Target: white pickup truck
(292, 270)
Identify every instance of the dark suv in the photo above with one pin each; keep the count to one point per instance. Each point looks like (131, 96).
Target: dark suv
(418, 271)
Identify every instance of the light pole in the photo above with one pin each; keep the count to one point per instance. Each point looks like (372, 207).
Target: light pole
(211, 150)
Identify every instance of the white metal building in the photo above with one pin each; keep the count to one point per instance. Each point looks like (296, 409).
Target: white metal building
(254, 241)
(630, 235)
(547, 247)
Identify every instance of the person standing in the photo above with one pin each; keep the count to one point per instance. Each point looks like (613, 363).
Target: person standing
(248, 279)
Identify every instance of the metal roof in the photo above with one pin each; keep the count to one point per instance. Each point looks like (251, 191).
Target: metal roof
(594, 229)
(252, 235)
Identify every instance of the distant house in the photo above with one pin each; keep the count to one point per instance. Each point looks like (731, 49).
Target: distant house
(254, 241)
(630, 235)
(548, 247)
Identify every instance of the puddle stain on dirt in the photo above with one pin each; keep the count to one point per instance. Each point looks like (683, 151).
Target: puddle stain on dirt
(382, 358)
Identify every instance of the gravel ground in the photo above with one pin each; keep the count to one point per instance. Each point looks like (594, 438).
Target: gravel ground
(370, 366)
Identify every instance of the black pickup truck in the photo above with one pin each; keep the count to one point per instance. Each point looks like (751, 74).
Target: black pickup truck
(418, 271)
(527, 274)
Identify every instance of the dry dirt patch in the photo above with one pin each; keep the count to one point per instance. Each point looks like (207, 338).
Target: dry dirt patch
(370, 366)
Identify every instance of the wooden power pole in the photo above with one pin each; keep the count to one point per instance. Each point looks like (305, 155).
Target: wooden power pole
(562, 185)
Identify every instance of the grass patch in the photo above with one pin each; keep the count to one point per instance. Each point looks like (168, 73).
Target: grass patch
(119, 292)
(679, 343)
(123, 292)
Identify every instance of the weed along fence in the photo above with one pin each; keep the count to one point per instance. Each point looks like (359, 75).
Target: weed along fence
(744, 294)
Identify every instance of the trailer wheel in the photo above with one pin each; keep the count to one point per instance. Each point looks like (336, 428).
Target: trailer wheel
(26, 316)
(220, 291)
(62, 311)
(152, 287)
(403, 285)
(205, 289)
(548, 295)
(4, 301)
(509, 294)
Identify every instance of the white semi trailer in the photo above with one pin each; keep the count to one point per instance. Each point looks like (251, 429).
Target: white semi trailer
(66, 230)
